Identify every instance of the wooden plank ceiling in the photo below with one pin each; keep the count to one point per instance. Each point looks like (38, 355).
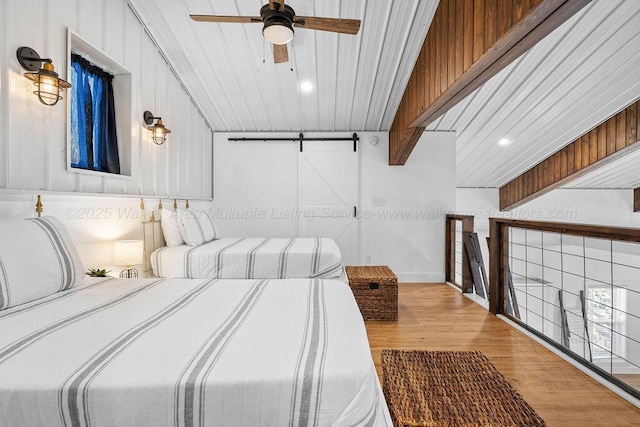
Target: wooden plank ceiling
(575, 78)
(467, 44)
(611, 139)
(354, 80)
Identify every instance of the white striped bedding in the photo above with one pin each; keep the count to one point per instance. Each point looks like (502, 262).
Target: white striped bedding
(175, 352)
(251, 258)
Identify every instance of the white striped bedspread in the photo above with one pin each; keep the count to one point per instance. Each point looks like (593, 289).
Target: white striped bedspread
(251, 258)
(178, 352)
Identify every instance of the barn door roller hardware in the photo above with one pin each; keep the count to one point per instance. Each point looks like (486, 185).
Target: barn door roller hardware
(355, 138)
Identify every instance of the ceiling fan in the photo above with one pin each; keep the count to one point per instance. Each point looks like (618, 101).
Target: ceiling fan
(279, 20)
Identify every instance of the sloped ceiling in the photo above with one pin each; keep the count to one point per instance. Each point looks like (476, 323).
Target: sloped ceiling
(358, 80)
(578, 76)
(622, 173)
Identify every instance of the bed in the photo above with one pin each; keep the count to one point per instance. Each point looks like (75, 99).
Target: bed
(179, 352)
(248, 258)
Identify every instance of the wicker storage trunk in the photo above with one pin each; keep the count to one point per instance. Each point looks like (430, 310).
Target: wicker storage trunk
(376, 291)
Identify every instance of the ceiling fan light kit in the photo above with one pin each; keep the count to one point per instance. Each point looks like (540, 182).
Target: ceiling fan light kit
(278, 20)
(278, 25)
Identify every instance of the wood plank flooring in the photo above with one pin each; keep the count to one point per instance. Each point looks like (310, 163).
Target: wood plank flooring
(632, 380)
(437, 317)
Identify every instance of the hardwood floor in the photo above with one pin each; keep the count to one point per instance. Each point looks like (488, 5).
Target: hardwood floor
(632, 380)
(437, 317)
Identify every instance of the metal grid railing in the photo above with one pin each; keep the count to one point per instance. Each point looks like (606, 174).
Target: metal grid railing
(580, 292)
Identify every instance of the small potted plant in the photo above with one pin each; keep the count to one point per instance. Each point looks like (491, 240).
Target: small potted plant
(97, 272)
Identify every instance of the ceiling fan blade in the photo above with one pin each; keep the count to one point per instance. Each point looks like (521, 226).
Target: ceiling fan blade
(334, 25)
(280, 53)
(233, 19)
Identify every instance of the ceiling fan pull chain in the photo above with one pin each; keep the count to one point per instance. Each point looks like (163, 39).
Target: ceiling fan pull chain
(292, 56)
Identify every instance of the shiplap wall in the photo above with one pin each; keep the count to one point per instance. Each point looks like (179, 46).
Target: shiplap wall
(33, 137)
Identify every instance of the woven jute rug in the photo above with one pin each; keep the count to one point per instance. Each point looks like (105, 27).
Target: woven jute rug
(451, 388)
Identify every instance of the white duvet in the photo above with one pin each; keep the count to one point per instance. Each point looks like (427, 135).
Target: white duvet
(154, 352)
(251, 258)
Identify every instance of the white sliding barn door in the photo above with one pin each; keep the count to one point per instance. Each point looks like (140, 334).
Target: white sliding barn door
(328, 194)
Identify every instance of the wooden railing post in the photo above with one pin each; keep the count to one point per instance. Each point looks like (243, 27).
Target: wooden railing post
(467, 277)
(450, 248)
(498, 243)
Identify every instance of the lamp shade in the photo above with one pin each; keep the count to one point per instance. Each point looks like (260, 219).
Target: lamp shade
(127, 252)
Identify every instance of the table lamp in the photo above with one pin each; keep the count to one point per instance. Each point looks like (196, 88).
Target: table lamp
(127, 253)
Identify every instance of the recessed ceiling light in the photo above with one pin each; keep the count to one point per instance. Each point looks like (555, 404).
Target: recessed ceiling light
(504, 142)
(306, 86)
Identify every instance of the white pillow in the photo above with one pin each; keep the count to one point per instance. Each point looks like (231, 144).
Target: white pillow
(37, 259)
(196, 228)
(170, 229)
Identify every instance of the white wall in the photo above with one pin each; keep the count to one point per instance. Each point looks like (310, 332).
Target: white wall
(408, 233)
(254, 179)
(94, 222)
(33, 136)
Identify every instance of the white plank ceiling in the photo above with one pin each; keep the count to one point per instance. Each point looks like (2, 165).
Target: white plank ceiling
(581, 74)
(358, 80)
(622, 173)
(577, 77)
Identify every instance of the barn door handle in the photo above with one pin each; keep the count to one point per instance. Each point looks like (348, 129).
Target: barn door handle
(355, 212)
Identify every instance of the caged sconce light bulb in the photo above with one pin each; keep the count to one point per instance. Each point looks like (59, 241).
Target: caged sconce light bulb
(48, 84)
(158, 131)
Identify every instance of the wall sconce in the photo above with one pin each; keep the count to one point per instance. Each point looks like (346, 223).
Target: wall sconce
(48, 84)
(158, 131)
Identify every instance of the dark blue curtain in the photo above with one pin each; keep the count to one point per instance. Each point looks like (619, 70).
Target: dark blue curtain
(94, 141)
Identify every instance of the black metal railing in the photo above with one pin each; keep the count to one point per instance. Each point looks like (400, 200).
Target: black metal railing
(576, 286)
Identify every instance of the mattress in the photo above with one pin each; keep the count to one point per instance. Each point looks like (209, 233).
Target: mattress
(177, 352)
(251, 258)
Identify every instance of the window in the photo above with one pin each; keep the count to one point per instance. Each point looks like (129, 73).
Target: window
(99, 139)
(94, 140)
(607, 326)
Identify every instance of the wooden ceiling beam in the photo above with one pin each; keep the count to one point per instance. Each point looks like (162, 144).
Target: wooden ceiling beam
(603, 144)
(469, 42)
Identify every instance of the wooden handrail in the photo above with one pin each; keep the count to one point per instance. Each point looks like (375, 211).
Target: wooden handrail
(499, 243)
(461, 217)
(585, 230)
